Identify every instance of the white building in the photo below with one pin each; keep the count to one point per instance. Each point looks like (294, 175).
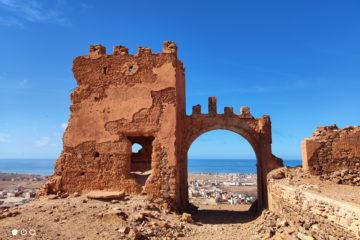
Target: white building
(14, 187)
(10, 194)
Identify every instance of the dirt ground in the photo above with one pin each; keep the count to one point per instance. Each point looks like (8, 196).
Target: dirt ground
(82, 218)
(79, 218)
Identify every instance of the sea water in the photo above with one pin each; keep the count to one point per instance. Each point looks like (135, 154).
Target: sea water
(229, 165)
(45, 167)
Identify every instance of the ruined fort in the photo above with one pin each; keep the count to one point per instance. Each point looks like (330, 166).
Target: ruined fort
(124, 99)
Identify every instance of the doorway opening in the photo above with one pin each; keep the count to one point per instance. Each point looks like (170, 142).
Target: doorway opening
(222, 173)
(141, 158)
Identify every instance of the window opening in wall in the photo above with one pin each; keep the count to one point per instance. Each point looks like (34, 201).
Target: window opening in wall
(141, 158)
(96, 154)
(136, 148)
(222, 173)
(104, 70)
(131, 69)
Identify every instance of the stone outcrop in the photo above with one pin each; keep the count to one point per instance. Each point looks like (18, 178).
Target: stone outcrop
(334, 154)
(124, 99)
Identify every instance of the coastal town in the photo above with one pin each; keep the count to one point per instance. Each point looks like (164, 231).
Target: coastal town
(222, 188)
(18, 189)
(204, 188)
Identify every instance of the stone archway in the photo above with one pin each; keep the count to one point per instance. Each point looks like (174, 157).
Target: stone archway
(257, 131)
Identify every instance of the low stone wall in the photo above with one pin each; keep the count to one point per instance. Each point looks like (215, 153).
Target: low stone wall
(315, 215)
(333, 154)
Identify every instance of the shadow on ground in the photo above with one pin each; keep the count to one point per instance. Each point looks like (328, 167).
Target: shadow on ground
(209, 216)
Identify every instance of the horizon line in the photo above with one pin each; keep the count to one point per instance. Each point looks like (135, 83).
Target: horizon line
(188, 159)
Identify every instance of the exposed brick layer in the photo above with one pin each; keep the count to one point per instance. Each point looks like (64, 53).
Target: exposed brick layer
(315, 215)
(333, 153)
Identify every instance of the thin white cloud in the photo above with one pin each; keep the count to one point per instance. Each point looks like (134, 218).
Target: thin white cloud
(23, 82)
(43, 142)
(10, 21)
(4, 137)
(32, 11)
(64, 126)
(85, 6)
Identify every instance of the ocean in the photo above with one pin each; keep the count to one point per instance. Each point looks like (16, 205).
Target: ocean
(229, 165)
(45, 167)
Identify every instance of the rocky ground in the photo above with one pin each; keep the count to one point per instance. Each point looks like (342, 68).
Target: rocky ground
(73, 217)
(78, 217)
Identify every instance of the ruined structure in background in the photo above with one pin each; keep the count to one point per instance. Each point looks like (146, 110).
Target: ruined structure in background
(334, 154)
(124, 99)
(304, 196)
(314, 209)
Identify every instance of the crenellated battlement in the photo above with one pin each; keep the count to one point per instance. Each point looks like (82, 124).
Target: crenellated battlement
(212, 105)
(168, 47)
(99, 49)
(120, 50)
(142, 50)
(245, 112)
(228, 111)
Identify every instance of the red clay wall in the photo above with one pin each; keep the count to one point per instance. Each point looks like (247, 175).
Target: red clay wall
(122, 99)
(333, 153)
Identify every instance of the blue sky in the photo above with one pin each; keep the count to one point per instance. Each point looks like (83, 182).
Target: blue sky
(297, 61)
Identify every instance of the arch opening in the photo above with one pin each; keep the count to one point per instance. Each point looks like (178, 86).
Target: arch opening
(222, 171)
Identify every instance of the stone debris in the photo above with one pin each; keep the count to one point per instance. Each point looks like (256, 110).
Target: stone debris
(147, 213)
(64, 195)
(124, 230)
(163, 224)
(104, 194)
(186, 217)
(134, 234)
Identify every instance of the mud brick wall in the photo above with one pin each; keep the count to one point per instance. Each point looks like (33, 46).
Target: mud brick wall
(315, 215)
(123, 99)
(334, 154)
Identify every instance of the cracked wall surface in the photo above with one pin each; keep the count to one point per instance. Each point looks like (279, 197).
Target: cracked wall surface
(334, 154)
(124, 99)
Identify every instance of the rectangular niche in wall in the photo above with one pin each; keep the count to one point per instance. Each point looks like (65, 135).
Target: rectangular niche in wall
(141, 157)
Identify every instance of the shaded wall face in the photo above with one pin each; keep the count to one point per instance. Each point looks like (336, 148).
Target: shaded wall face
(121, 99)
(334, 154)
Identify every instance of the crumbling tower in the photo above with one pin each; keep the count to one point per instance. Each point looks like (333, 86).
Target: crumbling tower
(123, 99)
